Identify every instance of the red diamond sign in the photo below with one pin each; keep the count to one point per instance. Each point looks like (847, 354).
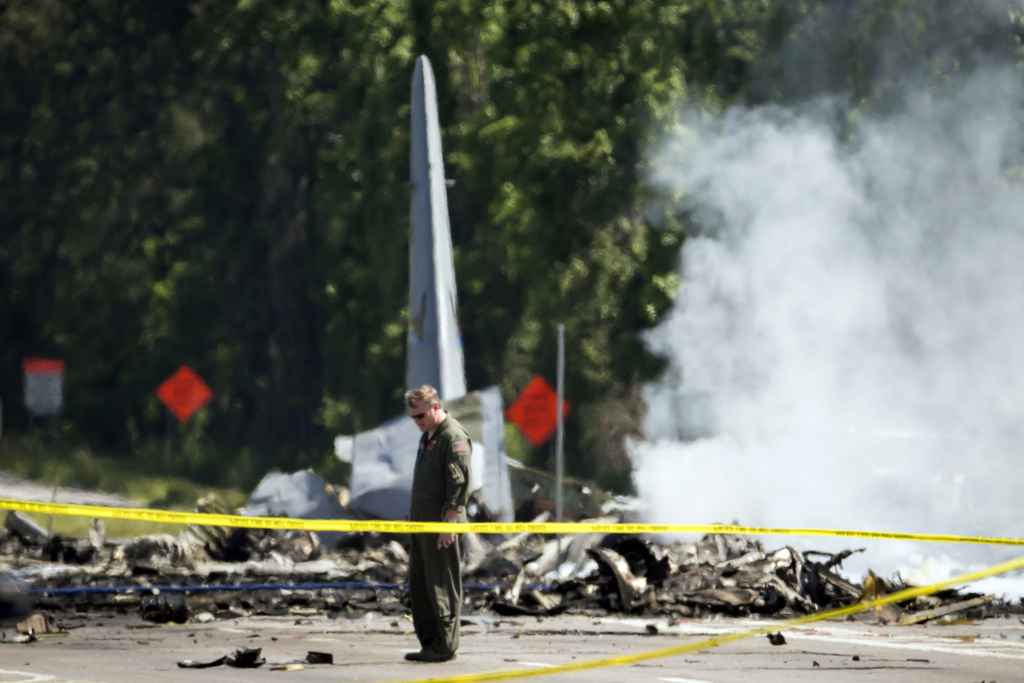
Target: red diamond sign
(534, 412)
(184, 393)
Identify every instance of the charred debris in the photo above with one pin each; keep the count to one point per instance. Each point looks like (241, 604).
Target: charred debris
(207, 573)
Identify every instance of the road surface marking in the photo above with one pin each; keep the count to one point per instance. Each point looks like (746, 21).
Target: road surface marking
(919, 646)
(27, 677)
(837, 634)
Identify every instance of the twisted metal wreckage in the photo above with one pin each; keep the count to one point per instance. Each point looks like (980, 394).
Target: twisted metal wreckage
(224, 573)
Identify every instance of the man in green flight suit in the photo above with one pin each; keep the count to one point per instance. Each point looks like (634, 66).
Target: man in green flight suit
(440, 490)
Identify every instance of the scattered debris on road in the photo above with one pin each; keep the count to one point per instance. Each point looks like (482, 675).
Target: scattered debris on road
(207, 573)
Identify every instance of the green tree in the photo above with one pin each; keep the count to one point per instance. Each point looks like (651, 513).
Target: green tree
(223, 185)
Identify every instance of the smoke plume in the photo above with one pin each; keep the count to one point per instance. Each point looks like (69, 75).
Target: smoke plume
(848, 345)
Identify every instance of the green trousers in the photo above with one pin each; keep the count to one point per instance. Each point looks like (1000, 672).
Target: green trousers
(435, 589)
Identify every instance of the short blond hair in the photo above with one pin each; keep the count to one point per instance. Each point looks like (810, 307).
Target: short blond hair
(426, 393)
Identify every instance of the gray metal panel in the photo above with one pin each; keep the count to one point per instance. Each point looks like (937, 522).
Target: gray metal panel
(497, 488)
(382, 466)
(300, 495)
(434, 354)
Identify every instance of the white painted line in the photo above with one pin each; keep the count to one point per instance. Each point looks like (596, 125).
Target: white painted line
(982, 647)
(681, 680)
(27, 677)
(915, 645)
(539, 665)
(691, 627)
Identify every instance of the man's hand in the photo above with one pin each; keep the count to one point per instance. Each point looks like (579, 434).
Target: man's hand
(445, 540)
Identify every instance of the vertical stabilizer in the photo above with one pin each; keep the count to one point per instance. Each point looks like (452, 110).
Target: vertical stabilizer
(434, 353)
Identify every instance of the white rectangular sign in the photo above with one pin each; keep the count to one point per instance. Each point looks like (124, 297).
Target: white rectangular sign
(44, 386)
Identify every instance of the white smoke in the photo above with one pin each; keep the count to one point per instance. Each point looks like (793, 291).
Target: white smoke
(853, 314)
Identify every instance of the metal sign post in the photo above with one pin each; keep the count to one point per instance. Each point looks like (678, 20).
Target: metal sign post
(560, 434)
(183, 393)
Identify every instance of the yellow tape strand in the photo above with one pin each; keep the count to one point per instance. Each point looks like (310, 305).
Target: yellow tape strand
(686, 648)
(169, 517)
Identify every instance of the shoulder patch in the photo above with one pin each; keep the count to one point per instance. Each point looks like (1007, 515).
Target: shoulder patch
(459, 447)
(457, 476)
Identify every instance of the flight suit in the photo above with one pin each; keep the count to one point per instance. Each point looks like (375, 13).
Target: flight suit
(440, 482)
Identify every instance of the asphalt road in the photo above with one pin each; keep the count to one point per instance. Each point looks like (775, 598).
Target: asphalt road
(115, 648)
(18, 488)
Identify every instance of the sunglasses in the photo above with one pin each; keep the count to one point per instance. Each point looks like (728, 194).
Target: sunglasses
(418, 416)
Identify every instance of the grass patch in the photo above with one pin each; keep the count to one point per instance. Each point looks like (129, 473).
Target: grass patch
(113, 528)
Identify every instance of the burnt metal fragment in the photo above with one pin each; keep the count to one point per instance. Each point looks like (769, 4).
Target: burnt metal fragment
(245, 658)
(164, 608)
(23, 527)
(629, 587)
(192, 664)
(66, 550)
(15, 603)
(319, 657)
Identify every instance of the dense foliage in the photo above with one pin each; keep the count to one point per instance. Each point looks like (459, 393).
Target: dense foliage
(221, 184)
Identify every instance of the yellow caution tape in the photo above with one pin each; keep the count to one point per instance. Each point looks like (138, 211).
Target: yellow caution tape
(686, 648)
(170, 517)
(565, 528)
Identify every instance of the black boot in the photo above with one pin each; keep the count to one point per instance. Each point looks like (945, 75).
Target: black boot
(428, 655)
